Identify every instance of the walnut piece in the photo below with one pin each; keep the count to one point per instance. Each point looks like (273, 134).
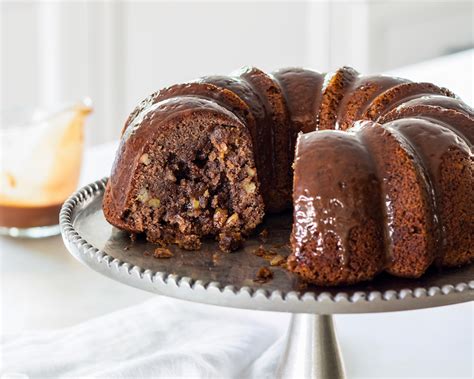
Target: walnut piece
(195, 203)
(264, 274)
(170, 176)
(189, 242)
(203, 199)
(232, 220)
(260, 252)
(216, 258)
(263, 235)
(220, 217)
(250, 187)
(162, 253)
(277, 260)
(154, 202)
(143, 195)
(230, 241)
(145, 159)
(250, 172)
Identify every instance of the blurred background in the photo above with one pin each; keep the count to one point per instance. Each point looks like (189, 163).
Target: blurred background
(118, 52)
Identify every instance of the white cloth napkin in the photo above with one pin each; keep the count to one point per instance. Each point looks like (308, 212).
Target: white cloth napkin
(161, 338)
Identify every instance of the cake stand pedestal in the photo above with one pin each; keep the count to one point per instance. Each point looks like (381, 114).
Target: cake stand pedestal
(311, 349)
(228, 280)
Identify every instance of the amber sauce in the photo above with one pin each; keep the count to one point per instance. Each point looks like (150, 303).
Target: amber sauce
(12, 216)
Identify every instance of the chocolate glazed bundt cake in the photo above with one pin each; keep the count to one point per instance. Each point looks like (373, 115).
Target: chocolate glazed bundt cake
(379, 170)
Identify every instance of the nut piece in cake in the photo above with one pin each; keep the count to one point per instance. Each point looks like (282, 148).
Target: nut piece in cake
(162, 253)
(264, 274)
(277, 260)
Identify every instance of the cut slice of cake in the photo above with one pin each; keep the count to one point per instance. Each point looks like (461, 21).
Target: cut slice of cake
(186, 171)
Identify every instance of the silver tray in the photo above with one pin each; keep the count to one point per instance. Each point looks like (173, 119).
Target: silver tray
(208, 276)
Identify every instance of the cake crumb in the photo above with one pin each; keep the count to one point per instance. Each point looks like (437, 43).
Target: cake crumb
(301, 286)
(133, 237)
(264, 253)
(263, 235)
(189, 242)
(264, 274)
(230, 241)
(277, 260)
(216, 258)
(270, 253)
(260, 251)
(162, 252)
(126, 248)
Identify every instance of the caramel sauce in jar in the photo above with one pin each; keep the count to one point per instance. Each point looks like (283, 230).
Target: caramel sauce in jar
(40, 167)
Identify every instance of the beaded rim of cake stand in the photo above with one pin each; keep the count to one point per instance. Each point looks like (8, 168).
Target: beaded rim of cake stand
(166, 279)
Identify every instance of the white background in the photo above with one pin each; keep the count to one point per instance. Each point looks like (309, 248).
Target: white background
(119, 52)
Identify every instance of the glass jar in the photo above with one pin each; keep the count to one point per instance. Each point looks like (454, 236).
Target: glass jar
(40, 161)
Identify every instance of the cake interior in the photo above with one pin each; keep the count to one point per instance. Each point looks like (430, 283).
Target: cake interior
(198, 181)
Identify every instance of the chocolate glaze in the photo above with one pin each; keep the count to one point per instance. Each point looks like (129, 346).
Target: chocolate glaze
(360, 94)
(399, 94)
(303, 92)
(330, 190)
(222, 96)
(335, 87)
(439, 101)
(399, 168)
(147, 125)
(432, 143)
(244, 91)
(457, 121)
(337, 175)
(276, 119)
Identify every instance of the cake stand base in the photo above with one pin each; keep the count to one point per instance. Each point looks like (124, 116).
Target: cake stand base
(311, 350)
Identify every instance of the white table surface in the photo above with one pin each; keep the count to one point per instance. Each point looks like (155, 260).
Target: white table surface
(43, 287)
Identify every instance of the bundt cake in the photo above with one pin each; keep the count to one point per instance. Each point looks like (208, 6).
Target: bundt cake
(379, 170)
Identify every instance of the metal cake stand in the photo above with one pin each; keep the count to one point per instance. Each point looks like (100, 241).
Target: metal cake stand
(208, 276)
